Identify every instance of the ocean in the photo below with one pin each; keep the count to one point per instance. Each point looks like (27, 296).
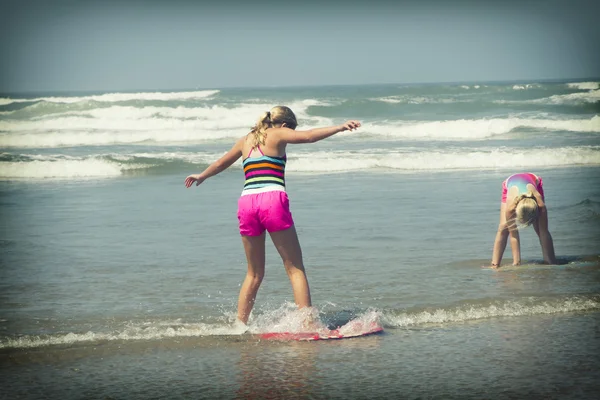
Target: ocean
(117, 282)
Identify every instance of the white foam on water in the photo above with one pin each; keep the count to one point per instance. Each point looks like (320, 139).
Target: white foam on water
(127, 118)
(98, 138)
(505, 309)
(289, 319)
(411, 99)
(526, 86)
(584, 85)
(476, 128)
(26, 166)
(312, 162)
(65, 168)
(192, 157)
(362, 322)
(390, 99)
(118, 97)
(32, 166)
(126, 124)
(591, 96)
(132, 332)
(286, 318)
(344, 161)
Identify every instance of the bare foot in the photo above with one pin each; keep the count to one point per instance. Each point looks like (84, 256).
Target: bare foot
(239, 327)
(311, 322)
(492, 266)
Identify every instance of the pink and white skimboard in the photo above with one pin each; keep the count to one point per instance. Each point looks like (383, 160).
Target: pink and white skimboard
(350, 330)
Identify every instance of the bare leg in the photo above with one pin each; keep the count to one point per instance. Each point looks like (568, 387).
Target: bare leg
(287, 244)
(515, 245)
(255, 254)
(541, 228)
(501, 238)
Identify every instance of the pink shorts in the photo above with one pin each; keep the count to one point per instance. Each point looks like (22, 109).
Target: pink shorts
(267, 210)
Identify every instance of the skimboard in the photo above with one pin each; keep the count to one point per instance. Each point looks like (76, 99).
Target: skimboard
(350, 330)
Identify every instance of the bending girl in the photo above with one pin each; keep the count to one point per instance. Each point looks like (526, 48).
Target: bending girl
(522, 205)
(264, 204)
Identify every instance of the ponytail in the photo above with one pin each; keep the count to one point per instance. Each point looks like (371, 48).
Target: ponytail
(278, 115)
(259, 130)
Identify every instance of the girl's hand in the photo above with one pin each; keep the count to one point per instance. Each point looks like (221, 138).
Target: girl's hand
(350, 125)
(189, 181)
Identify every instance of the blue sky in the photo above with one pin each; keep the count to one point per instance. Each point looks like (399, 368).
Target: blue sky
(111, 45)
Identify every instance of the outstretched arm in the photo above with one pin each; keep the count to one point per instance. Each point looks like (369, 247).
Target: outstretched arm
(218, 166)
(314, 135)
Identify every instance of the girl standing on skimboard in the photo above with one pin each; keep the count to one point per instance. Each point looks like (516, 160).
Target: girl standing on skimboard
(522, 205)
(264, 204)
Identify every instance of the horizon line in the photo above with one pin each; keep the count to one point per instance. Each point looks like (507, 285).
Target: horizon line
(187, 89)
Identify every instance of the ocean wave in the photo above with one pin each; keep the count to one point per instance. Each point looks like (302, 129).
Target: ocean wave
(510, 308)
(25, 166)
(126, 118)
(58, 166)
(592, 96)
(584, 85)
(411, 99)
(45, 111)
(98, 138)
(143, 332)
(126, 125)
(119, 97)
(526, 86)
(459, 159)
(477, 128)
(288, 318)
(65, 168)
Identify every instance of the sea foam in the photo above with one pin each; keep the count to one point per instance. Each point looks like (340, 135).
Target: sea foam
(459, 159)
(287, 318)
(511, 308)
(118, 97)
(123, 125)
(477, 128)
(128, 124)
(25, 166)
(584, 85)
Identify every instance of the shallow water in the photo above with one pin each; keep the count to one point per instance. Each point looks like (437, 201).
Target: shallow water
(118, 282)
(545, 356)
(107, 294)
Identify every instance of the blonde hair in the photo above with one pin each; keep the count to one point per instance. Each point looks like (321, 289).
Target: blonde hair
(527, 209)
(278, 115)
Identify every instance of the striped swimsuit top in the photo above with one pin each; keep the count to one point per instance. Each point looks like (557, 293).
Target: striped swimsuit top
(264, 173)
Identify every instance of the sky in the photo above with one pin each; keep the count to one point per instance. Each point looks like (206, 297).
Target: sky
(79, 45)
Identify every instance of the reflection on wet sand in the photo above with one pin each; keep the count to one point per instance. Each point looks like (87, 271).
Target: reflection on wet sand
(291, 369)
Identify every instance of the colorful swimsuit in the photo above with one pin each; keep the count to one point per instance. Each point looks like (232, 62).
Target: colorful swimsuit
(521, 181)
(264, 204)
(263, 173)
